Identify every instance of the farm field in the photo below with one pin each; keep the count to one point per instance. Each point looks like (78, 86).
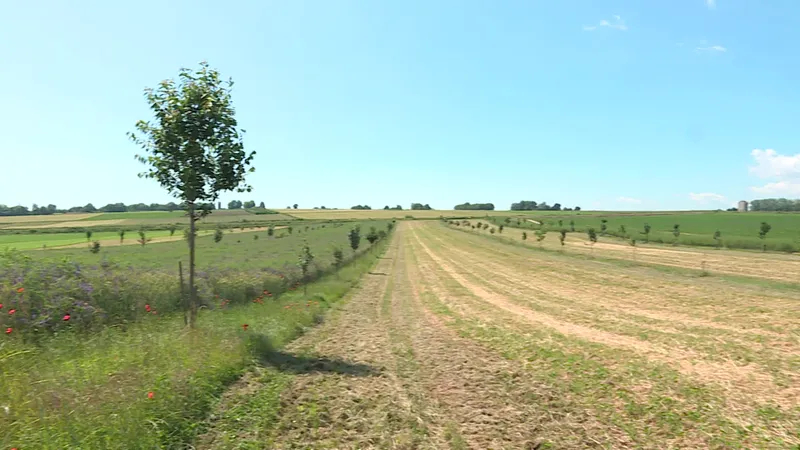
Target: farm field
(132, 220)
(360, 214)
(738, 230)
(96, 355)
(753, 264)
(457, 340)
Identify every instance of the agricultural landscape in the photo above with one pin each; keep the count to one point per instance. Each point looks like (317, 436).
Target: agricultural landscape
(451, 329)
(289, 286)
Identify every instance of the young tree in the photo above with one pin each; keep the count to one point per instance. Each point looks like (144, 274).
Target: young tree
(646, 232)
(541, 234)
(603, 226)
(95, 247)
(249, 204)
(560, 223)
(676, 231)
(289, 229)
(718, 238)
(592, 234)
(88, 235)
(172, 229)
(304, 261)
(270, 230)
(524, 236)
(121, 236)
(338, 258)
(389, 227)
(355, 238)
(492, 230)
(194, 149)
(218, 235)
(372, 236)
(294, 206)
(562, 236)
(262, 206)
(500, 229)
(762, 234)
(623, 232)
(572, 226)
(143, 239)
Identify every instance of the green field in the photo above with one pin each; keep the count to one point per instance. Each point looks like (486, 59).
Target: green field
(236, 250)
(739, 230)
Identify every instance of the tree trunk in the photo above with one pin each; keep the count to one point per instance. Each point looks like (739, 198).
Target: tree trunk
(192, 289)
(184, 299)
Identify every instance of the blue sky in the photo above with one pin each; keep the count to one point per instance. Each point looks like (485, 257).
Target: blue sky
(626, 104)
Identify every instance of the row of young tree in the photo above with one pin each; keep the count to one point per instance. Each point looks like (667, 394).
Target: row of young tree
(622, 232)
(527, 205)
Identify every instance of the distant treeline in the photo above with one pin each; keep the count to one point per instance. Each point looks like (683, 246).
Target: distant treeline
(775, 204)
(89, 208)
(475, 206)
(526, 205)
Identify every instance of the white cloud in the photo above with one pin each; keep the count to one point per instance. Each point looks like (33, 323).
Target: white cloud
(711, 4)
(616, 24)
(634, 201)
(712, 48)
(771, 164)
(707, 197)
(791, 188)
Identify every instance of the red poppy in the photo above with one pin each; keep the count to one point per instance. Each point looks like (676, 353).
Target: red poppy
(66, 317)
(244, 326)
(20, 290)
(9, 330)
(150, 394)
(147, 308)
(1, 306)
(11, 312)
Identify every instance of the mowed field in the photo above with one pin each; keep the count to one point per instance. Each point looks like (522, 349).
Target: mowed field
(458, 340)
(131, 220)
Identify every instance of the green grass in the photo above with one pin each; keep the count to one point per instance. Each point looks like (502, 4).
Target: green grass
(137, 215)
(236, 250)
(739, 230)
(91, 391)
(40, 240)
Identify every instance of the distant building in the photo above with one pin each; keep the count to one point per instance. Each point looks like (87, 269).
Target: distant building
(742, 206)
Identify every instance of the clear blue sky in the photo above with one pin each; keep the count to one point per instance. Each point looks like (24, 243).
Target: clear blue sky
(624, 104)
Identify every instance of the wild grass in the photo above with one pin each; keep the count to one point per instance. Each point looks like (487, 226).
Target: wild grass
(151, 383)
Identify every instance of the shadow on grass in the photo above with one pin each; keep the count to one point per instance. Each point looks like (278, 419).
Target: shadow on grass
(298, 364)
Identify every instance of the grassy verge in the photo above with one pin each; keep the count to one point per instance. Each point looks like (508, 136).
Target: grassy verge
(152, 385)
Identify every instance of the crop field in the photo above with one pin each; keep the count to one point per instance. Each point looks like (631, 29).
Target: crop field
(738, 230)
(131, 220)
(458, 340)
(95, 354)
(360, 214)
(439, 336)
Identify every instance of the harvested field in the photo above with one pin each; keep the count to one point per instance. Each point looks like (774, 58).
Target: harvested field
(459, 341)
(767, 266)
